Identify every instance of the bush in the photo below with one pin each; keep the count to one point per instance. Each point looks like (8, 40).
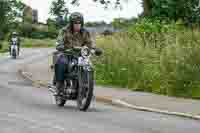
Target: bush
(124, 62)
(27, 29)
(107, 32)
(171, 67)
(180, 64)
(38, 31)
(154, 33)
(34, 43)
(0, 45)
(52, 31)
(4, 46)
(39, 35)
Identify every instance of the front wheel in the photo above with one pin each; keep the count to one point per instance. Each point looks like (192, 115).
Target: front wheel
(59, 101)
(85, 93)
(14, 54)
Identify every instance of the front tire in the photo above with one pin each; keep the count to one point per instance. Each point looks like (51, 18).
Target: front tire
(59, 101)
(85, 93)
(14, 54)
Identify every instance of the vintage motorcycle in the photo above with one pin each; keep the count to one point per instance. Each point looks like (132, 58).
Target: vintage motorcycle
(79, 78)
(14, 48)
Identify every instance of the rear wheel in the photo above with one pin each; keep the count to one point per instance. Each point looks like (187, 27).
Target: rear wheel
(85, 93)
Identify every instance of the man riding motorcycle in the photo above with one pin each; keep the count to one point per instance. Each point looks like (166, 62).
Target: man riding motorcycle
(14, 35)
(70, 36)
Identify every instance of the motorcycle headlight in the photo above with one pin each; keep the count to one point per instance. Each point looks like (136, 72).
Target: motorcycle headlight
(85, 52)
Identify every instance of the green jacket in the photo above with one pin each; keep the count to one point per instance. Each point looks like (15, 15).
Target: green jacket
(70, 39)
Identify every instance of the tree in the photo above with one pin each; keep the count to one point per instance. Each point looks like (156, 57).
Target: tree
(52, 30)
(16, 10)
(10, 12)
(59, 11)
(103, 2)
(95, 24)
(147, 6)
(27, 15)
(185, 10)
(4, 9)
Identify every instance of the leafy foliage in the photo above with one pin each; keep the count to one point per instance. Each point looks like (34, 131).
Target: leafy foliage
(94, 24)
(121, 23)
(186, 10)
(60, 12)
(58, 8)
(153, 32)
(52, 30)
(11, 13)
(161, 66)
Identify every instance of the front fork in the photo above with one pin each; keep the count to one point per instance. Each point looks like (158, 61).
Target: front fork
(84, 72)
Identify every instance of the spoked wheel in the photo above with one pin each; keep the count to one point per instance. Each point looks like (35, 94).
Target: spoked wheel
(85, 93)
(60, 102)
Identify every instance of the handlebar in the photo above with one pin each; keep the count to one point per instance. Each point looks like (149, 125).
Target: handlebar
(97, 51)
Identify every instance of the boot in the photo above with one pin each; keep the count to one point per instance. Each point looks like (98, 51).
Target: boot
(54, 80)
(59, 87)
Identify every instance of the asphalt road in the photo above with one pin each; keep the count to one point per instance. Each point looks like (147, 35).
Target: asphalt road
(25, 109)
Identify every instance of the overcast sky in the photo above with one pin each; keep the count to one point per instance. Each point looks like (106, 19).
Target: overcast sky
(92, 11)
